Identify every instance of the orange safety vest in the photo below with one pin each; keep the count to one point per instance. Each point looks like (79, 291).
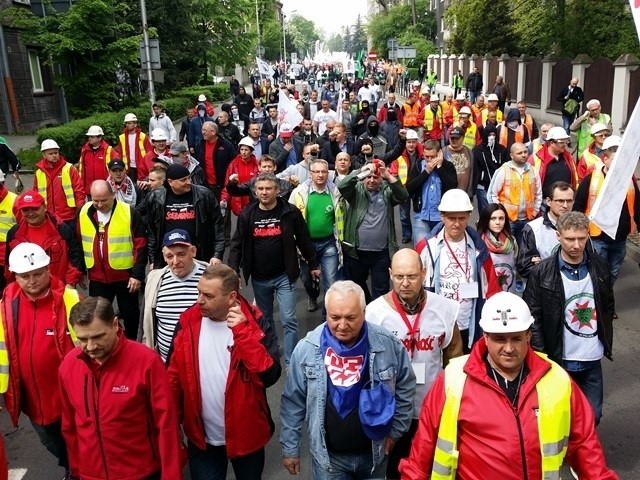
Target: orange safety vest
(410, 115)
(528, 122)
(504, 132)
(597, 177)
(587, 163)
(470, 134)
(510, 192)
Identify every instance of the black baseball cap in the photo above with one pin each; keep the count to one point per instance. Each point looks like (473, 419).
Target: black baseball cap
(116, 164)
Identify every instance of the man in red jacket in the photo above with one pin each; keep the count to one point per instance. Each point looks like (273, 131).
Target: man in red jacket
(59, 183)
(468, 430)
(118, 417)
(225, 356)
(34, 312)
(95, 155)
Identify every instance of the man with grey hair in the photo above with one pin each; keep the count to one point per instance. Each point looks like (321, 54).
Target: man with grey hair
(328, 373)
(582, 125)
(571, 299)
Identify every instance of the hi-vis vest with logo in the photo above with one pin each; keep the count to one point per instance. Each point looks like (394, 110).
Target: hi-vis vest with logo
(123, 147)
(554, 420)
(7, 220)
(597, 177)
(119, 240)
(66, 184)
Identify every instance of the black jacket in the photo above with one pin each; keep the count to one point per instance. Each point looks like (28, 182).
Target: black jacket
(474, 82)
(485, 164)
(295, 234)
(545, 296)
(576, 94)
(230, 132)
(225, 152)
(209, 224)
(417, 176)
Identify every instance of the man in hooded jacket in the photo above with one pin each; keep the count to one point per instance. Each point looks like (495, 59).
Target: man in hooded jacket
(487, 158)
(512, 130)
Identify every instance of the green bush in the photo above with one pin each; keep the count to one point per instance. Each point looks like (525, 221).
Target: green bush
(413, 73)
(215, 93)
(29, 157)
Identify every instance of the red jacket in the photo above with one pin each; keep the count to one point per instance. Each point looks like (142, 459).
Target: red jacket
(56, 198)
(490, 442)
(245, 171)
(101, 270)
(254, 367)
(544, 157)
(42, 322)
(123, 147)
(93, 163)
(118, 419)
(146, 164)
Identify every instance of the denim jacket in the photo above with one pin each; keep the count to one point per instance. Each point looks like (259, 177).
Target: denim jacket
(305, 392)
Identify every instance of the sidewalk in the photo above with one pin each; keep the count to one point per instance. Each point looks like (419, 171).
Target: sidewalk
(21, 142)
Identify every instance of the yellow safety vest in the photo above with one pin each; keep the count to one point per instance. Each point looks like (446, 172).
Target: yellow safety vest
(597, 177)
(554, 420)
(4, 361)
(403, 168)
(119, 241)
(470, 135)
(584, 133)
(590, 161)
(7, 220)
(67, 187)
(123, 148)
(430, 118)
(485, 114)
(70, 298)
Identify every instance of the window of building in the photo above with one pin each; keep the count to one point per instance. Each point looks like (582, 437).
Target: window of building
(36, 71)
(23, 2)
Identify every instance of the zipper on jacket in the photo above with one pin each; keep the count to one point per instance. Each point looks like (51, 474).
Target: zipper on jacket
(99, 432)
(86, 396)
(522, 453)
(33, 376)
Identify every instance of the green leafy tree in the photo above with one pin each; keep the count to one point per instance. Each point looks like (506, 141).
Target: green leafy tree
(359, 36)
(335, 43)
(302, 33)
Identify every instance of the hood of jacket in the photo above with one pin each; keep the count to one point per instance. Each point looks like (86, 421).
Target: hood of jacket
(488, 129)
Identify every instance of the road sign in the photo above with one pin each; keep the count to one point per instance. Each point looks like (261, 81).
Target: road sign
(372, 55)
(154, 50)
(392, 43)
(405, 52)
(294, 57)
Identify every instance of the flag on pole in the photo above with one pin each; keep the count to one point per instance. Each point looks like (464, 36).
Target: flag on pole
(339, 105)
(606, 209)
(264, 68)
(287, 111)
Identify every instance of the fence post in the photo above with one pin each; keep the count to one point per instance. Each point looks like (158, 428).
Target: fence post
(545, 96)
(580, 64)
(488, 83)
(502, 64)
(624, 65)
(443, 59)
(523, 60)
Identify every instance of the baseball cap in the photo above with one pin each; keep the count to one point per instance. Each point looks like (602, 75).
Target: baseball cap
(285, 131)
(176, 237)
(557, 133)
(116, 164)
(29, 199)
(456, 132)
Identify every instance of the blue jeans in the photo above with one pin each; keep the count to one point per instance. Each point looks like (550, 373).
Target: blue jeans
(481, 198)
(516, 229)
(422, 228)
(327, 255)
(566, 121)
(588, 376)
(405, 219)
(613, 253)
(285, 292)
(353, 466)
(473, 95)
(211, 464)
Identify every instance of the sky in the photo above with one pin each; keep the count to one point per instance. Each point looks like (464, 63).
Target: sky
(328, 15)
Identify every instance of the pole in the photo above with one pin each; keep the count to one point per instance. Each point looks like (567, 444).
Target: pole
(258, 30)
(284, 42)
(147, 51)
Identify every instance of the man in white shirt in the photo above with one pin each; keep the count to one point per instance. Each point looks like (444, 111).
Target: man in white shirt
(321, 118)
(224, 357)
(425, 324)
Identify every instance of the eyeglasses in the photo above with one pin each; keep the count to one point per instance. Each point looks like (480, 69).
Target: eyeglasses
(561, 142)
(605, 135)
(563, 201)
(320, 172)
(593, 110)
(402, 278)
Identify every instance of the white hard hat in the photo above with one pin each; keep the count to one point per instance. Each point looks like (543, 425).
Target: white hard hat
(492, 97)
(612, 141)
(598, 127)
(557, 133)
(416, 83)
(158, 134)
(455, 200)
(412, 135)
(460, 96)
(247, 142)
(465, 111)
(202, 98)
(27, 257)
(130, 117)
(49, 144)
(505, 312)
(94, 131)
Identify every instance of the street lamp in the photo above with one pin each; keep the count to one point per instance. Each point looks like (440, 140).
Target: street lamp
(284, 38)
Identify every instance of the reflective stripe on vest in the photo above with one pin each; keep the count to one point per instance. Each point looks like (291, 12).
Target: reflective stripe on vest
(504, 132)
(597, 177)
(124, 145)
(67, 187)
(402, 169)
(119, 241)
(554, 420)
(70, 298)
(4, 360)
(7, 220)
(470, 136)
(430, 119)
(512, 187)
